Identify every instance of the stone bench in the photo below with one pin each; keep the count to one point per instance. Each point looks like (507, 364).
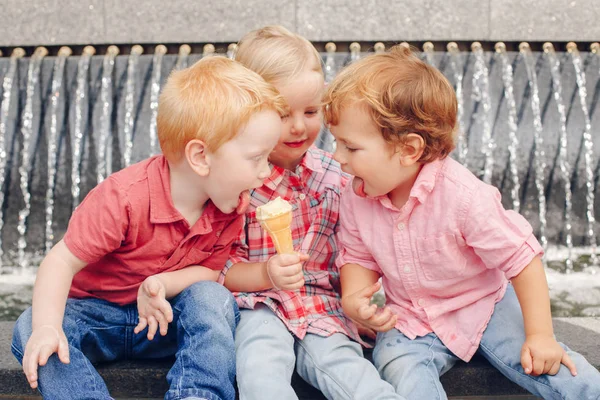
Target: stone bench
(145, 379)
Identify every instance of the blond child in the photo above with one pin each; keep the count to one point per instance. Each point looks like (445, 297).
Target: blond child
(461, 274)
(291, 314)
(143, 250)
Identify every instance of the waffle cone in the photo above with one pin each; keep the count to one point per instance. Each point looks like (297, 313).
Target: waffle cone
(279, 229)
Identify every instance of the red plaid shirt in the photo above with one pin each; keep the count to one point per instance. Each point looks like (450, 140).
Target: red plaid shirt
(313, 190)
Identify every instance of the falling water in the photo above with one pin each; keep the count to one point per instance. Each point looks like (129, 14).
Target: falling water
(80, 97)
(154, 93)
(182, 59)
(330, 69)
(563, 162)
(481, 94)
(589, 148)
(57, 79)
(231, 50)
(33, 75)
(457, 72)
(354, 52)
(7, 85)
(129, 102)
(539, 154)
(104, 155)
(507, 79)
(428, 50)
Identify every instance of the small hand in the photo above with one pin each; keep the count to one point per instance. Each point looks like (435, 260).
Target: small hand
(153, 308)
(541, 354)
(45, 340)
(285, 271)
(358, 307)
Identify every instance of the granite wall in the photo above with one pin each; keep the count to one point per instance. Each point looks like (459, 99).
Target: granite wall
(76, 22)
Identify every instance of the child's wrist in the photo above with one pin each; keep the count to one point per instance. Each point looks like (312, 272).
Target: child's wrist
(269, 278)
(50, 327)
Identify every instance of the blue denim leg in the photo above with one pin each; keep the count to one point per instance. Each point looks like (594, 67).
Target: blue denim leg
(336, 366)
(96, 332)
(205, 315)
(413, 367)
(501, 345)
(265, 356)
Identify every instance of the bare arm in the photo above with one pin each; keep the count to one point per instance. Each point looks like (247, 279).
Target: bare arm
(54, 277)
(354, 277)
(248, 277)
(541, 353)
(532, 290)
(50, 292)
(176, 281)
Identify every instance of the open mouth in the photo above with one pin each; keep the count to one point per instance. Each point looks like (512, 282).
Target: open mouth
(243, 202)
(358, 185)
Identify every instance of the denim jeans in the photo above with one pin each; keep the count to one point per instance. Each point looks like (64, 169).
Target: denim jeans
(266, 357)
(201, 337)
(413, 367)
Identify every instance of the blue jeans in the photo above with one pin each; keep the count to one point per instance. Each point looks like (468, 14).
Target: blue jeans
(200, 336)
(413, 367)
(267, 354)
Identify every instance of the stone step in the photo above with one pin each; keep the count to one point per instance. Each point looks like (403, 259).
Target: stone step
(147, 379)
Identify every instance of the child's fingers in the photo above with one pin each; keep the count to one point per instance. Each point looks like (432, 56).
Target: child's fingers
(554, 368)
(63, 351)
(369, 291)
(365, 312)
(162, 322)
(526, 360)
(384, 320)
(291, 270)
(303, 257)
(32, 365)
(45, 353)
(153, 287)
(152, 326)
(566, 360)
(167, 311)
(381, 317)
(142, 324)
(538, 367)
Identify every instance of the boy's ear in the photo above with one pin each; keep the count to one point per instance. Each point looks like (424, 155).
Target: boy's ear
(197, 157)
(411, 149)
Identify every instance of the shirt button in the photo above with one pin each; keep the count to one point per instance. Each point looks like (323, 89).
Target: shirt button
(302, 196)
(421, 302)
(401, 226)
(406, 269)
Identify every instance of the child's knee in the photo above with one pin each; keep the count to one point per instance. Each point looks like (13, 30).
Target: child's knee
(207, 299)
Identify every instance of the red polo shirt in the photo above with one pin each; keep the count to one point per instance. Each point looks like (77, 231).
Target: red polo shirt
(127, 229)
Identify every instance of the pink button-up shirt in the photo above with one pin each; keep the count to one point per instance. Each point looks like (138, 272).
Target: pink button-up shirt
(445, 257)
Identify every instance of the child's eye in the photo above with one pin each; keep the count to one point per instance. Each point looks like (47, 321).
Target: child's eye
(313, 112)
(350, 149)
(284, 118)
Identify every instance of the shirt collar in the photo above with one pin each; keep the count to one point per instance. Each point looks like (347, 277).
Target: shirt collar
(310, 161)
(423, 185)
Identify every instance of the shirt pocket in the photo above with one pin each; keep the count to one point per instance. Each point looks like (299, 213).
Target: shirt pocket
(441, 257)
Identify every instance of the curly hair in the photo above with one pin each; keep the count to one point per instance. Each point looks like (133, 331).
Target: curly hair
(403, 95)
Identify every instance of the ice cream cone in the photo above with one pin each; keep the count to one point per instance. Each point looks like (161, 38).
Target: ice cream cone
(275, 217)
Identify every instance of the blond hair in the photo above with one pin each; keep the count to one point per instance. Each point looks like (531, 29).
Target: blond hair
(277, 54)
(211, 101)
(403, 95)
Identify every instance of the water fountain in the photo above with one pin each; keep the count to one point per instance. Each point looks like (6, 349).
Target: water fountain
(528, 126)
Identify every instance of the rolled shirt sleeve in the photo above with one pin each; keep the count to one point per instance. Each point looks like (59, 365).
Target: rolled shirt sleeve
(503, 239)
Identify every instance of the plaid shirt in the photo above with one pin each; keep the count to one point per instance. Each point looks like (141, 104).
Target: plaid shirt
(313, 190)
